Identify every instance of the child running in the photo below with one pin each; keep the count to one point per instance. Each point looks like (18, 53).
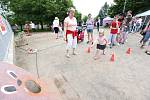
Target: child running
(101, 42)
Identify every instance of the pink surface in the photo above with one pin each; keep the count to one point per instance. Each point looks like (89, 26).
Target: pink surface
(21, 94)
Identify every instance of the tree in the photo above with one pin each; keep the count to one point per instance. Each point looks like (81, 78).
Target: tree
(78, 16)
(38, 11)
(85, 19)
(135, 5)
(104, 11)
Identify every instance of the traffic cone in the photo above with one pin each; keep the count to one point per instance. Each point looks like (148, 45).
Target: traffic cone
(129, 51)
(112, 57)
(89, 49)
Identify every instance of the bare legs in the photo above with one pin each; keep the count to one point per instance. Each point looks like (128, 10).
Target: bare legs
(56, 35)
(97, 56)
(90, 39)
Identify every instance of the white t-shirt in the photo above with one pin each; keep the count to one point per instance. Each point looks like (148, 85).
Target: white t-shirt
(32, 25)
(70, 24)
(56, 23)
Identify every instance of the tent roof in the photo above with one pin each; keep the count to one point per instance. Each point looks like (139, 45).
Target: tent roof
(146, 13)
(108, 18)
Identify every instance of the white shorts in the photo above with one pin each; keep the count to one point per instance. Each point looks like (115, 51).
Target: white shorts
(71, 43)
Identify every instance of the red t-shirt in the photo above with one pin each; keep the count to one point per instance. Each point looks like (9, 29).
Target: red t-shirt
(114, 25)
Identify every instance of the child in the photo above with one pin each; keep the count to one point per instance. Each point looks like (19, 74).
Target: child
(101, 44)
(124, 33)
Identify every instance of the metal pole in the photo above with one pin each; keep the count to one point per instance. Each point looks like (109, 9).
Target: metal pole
(37, 70)
(125, 3)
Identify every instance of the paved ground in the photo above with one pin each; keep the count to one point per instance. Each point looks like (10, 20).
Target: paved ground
(83, 78)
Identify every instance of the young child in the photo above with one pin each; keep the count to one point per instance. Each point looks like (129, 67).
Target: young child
(101, 42)
(124, 33)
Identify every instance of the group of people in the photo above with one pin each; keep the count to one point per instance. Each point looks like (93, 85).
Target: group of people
(122, 26)
(70, 27)
(119, 30)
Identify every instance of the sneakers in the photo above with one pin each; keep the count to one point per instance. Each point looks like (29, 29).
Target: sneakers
(68, 56)
(74, 53)
(147, 52)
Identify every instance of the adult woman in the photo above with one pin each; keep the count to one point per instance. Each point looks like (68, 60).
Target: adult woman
(90, 27)
(56, 26)
(70, 25)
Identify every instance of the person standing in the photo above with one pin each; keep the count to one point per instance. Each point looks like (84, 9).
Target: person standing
(113, 32)
(56, 26)
(98, 24)
(27, 29)
(70, 26)
(32, 25)
(138, 24)
(90, 27)
(123, 33)
(147, 35)
(128, 20)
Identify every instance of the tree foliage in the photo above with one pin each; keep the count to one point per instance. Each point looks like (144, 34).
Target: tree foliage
(104, 11)
(137, 6)
(85, 19)
(38, 11)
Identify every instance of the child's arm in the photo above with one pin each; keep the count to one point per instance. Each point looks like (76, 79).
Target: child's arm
(105, 41)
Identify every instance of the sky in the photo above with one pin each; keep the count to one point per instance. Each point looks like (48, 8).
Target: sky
(90, 6)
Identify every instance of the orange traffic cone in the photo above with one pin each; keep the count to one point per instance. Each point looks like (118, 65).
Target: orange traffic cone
(89, 49)
(129, 51)
(112, 57)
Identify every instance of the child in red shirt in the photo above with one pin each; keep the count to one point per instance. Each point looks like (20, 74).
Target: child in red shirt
(113, 32)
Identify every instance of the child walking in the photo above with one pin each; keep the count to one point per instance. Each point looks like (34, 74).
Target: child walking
(101, 42)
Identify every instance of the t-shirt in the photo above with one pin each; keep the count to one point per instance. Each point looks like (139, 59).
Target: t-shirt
(70, 23)
(102, 40)
(56, 23)
(90, 23)
(32, 25)
(114, 29)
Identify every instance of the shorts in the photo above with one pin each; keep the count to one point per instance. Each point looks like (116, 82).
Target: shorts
(101, 47)
(89, 30)
(56, 29)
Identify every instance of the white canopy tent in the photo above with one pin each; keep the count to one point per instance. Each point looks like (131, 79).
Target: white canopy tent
(107, 18)
(145, 16)
(146, 13)
(107, 21)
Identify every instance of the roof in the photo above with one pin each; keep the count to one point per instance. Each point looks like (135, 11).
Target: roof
(146, 13)
(108, 18)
